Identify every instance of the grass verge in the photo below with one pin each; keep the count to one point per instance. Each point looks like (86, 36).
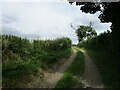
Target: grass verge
(107, 68)
(76, 69)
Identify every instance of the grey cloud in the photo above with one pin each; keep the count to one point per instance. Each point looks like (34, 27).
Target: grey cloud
(84, 18)
(9, 30)
(13, 31)
(9, 19)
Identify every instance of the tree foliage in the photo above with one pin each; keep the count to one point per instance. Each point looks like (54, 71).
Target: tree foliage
(109, 10)
(84, 32)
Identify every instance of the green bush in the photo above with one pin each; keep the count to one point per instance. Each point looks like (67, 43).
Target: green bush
(19, 68)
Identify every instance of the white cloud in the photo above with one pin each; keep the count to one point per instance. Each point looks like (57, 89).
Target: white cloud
(48, 20)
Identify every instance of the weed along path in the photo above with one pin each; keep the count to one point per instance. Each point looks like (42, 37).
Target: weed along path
(91, 75)
(50, 79)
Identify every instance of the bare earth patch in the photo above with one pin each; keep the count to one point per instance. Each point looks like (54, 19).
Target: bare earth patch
(49, 79)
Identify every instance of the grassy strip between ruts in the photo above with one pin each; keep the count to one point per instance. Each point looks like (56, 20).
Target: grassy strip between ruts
(107, 68)
(70, 76)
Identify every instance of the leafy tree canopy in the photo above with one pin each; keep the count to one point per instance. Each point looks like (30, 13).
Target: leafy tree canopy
(84, 32)
(109, 10)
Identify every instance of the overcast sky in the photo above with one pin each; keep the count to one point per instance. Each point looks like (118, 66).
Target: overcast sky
(45, 20)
